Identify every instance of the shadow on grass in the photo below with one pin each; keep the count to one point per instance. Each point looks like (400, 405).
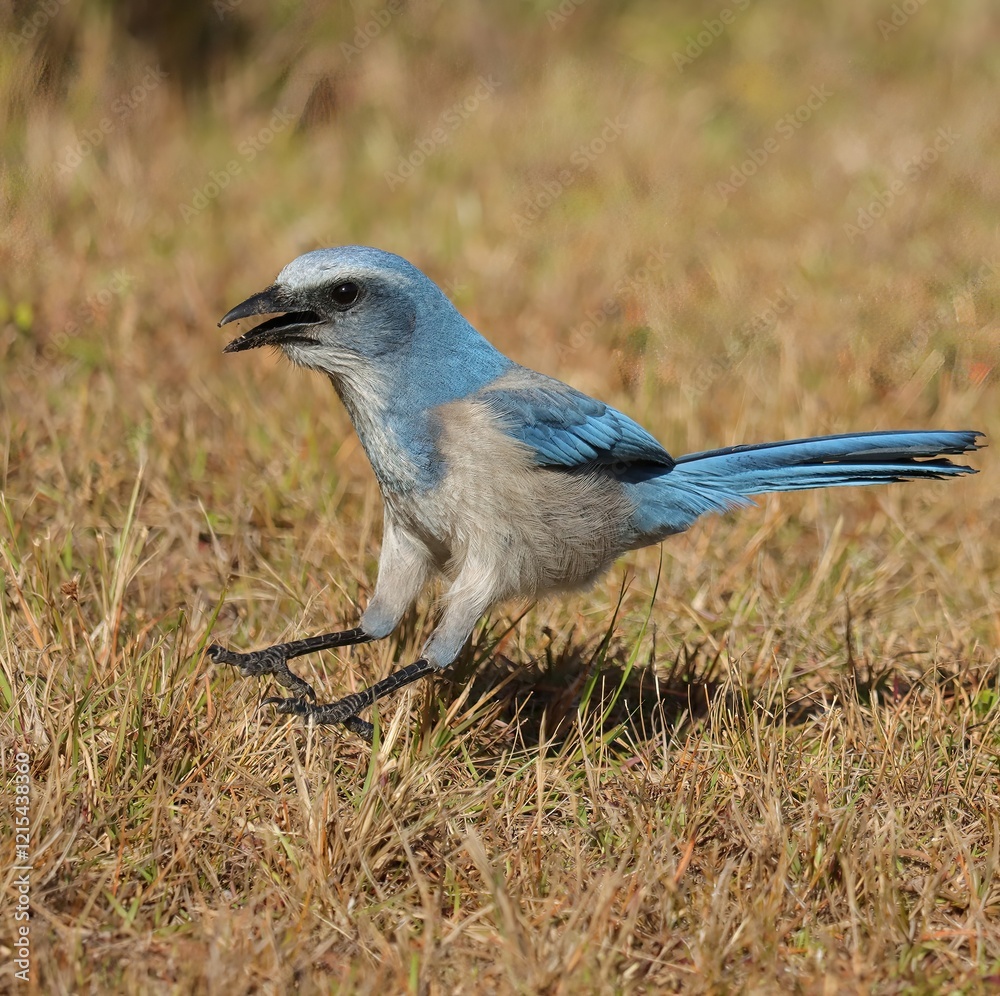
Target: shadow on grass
(620, 699)
(544, 699)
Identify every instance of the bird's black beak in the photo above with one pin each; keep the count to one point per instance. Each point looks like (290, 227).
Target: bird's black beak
(287, 327)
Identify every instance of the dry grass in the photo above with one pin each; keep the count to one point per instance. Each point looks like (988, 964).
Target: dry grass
(797, 788)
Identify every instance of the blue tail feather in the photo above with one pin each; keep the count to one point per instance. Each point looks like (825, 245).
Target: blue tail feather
(829, 461)
(721, 480)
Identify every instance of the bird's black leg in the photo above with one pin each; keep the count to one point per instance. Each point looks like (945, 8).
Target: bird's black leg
(345, 710)
(274, 660)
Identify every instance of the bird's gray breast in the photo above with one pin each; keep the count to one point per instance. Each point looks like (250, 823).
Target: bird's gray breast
(530, 529)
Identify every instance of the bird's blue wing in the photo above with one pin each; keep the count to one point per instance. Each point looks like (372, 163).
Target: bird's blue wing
(565, 428)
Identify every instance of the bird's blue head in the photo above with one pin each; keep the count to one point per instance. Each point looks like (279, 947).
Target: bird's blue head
(353, 306)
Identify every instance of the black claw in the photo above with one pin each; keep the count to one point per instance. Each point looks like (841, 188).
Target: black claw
(288, 707)
(296, 684)
(361, 727)
(219, 654)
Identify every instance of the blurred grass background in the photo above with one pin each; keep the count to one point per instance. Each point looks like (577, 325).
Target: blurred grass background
(736, 222)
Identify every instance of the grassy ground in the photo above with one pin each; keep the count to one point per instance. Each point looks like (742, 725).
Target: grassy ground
(765, 758)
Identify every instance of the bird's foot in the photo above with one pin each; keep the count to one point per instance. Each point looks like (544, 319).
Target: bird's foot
(346, 710)
(272, 661)
(325, 715)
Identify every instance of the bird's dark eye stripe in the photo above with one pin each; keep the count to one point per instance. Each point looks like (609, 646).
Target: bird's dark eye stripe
(345, 294)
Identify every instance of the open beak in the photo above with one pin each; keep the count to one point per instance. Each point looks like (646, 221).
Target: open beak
(287, 327)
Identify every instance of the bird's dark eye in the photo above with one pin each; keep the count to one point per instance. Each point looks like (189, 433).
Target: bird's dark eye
(345, 294)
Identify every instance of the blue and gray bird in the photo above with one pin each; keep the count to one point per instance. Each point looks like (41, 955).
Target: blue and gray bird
(509, 483)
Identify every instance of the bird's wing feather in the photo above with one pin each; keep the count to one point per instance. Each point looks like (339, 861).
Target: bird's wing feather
(565, 428)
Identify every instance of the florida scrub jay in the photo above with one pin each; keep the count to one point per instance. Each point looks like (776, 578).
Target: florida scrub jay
(507, 482)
